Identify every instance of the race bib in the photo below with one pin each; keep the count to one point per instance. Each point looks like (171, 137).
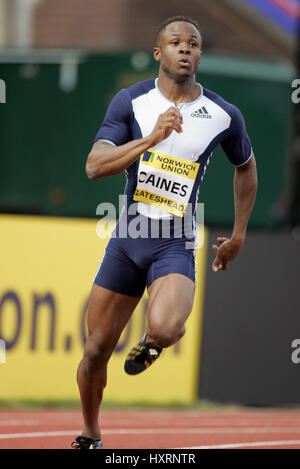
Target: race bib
(165, 181)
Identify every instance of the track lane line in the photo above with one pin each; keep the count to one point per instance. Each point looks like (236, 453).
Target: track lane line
(153, 431)
(246, 445)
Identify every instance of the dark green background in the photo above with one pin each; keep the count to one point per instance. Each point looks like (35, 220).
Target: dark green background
(47, 132)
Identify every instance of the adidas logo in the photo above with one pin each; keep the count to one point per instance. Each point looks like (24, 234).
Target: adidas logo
(202, 112)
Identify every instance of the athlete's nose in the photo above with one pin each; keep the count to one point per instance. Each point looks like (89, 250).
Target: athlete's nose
(185, 51)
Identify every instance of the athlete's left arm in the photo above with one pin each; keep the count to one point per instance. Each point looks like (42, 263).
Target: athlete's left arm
(245, 186)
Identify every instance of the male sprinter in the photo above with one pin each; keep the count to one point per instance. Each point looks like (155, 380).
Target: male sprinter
(150, 129)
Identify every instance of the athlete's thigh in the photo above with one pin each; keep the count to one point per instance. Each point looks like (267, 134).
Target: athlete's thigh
(170, 300)
(108, 313)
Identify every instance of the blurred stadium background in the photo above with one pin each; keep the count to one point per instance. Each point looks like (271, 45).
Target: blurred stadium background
(62, 61)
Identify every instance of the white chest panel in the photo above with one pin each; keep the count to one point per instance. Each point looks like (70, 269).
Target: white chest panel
(203, 121)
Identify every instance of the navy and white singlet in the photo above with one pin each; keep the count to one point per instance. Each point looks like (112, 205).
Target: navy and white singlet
(163, 183)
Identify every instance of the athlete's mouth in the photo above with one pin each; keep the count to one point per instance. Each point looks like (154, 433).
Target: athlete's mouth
(184, 63)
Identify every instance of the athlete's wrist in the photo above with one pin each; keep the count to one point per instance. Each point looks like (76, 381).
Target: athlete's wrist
(149, 141)
(238, 238)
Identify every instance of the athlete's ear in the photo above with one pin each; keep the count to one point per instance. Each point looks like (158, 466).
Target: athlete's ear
(157, 53)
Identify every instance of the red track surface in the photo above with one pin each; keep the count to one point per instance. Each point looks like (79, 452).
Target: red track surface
(155, 429)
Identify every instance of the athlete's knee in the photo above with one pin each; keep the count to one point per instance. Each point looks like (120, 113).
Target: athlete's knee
(96, 353)
(165, 336)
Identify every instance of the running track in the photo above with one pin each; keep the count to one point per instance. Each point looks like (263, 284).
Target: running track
(157, 429)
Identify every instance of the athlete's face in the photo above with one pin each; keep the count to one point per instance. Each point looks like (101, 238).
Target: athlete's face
(179, 50)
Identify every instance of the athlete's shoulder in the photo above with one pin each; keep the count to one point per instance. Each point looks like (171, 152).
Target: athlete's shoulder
(121, 104)
(140, 88)
(230, 108)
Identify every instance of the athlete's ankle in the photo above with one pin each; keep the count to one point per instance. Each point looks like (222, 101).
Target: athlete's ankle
(94, 435)
(150, 342)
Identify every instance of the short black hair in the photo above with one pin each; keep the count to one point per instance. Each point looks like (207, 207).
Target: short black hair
(173, 19)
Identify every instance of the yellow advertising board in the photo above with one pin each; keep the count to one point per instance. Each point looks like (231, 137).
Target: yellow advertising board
(47, 270)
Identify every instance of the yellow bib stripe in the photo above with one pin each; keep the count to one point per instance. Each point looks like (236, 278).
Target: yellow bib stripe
(165, 203)
(169, 164)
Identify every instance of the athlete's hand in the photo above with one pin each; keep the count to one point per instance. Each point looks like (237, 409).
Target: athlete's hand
(166, 123)
(227, 250)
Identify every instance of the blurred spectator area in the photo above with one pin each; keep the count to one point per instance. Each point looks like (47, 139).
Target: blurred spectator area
(63, 60)
(241, 27)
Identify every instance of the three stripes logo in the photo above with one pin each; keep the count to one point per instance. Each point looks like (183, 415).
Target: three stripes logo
(202, 112)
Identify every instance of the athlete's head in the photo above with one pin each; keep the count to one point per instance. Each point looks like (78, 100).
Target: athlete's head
(178, 47)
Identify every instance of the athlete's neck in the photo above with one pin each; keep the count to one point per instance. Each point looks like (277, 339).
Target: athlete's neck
(183, 92)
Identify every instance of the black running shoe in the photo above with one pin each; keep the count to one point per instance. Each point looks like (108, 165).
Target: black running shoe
(141, 357)
(83, 442)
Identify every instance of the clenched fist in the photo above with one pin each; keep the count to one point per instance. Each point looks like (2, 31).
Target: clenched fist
(166, 123)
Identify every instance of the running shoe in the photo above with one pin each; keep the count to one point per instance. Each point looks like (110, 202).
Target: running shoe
(83, 442)
(141, 357)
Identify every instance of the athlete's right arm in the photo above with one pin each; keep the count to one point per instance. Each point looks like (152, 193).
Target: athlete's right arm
(106, 159)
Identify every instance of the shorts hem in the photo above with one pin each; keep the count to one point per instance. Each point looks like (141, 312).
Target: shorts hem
(117, 289)
(174, 271)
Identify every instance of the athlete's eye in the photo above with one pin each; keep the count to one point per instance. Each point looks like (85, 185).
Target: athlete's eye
(174, 43)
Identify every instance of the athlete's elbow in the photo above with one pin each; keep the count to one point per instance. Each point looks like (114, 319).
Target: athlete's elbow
(97, 168)
(93, 171)
(90, 172)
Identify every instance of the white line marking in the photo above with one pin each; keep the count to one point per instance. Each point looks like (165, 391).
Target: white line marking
(8, 436)
(246, 445)
(153, 431)
(195, 431)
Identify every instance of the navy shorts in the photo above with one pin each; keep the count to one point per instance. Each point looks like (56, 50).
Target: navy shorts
(129, 265)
